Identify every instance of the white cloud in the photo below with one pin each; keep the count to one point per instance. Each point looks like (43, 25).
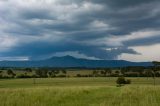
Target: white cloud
(74, 54)
(96, 24)
(118, 40)
(147, 53)
(13, 58)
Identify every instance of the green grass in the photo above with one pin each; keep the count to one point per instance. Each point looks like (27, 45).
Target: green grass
(78, 92)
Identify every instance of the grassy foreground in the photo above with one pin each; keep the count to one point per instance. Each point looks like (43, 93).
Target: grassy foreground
(78, 92)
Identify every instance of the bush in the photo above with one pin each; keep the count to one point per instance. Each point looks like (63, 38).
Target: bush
(121, 80)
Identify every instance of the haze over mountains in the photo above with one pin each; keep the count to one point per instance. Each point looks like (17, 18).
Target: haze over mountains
(69, 61)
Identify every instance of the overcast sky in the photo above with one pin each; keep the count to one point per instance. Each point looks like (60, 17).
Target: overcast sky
(93, 29)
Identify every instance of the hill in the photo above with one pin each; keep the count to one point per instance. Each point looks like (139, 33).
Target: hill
(69, 61)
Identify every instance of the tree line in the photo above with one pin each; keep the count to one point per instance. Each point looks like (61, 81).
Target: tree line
(45, 72)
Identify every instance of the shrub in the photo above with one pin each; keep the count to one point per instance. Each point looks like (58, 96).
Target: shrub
(121, 80)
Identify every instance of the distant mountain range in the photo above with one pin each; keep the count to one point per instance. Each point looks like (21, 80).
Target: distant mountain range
(69, 61)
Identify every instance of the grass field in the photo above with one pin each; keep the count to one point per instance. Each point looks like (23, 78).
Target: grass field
(99, 91)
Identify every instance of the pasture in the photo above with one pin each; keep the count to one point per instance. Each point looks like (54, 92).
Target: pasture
(92, 91)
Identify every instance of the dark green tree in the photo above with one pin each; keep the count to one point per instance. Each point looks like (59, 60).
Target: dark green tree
(28, 69)
(154, 70)
(11, 73)
(42, 72)
(108, 71)
(95, 73)
(64, 71)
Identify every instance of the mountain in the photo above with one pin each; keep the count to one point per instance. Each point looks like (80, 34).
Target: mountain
(69, 61)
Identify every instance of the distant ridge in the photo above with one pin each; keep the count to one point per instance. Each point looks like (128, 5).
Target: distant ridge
(69, 61)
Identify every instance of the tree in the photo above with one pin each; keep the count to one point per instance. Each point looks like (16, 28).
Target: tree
(54, 72)
(95, 73)
(148, 72)
(50, 73)
(28, 69)
(103, 72)
(108, 71)
(123, 70)
(64, 71)
(117, 72)
(41, 72)
(0, 74)
(156, 64)
(10, 73)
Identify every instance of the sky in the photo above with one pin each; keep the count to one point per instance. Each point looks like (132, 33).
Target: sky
(92, 29)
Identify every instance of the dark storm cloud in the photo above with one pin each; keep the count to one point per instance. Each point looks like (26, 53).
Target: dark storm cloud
(87, 26)
(50, 48)
(123, 3)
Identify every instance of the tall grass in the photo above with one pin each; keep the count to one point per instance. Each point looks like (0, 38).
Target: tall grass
(81, 96)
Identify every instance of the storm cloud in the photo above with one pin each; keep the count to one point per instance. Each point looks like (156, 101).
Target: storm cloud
(100, 29)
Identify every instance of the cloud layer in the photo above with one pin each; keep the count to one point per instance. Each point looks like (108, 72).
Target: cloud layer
(101, 29)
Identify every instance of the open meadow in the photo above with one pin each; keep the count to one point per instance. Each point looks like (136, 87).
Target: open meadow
(92, 91)
(79, 52)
